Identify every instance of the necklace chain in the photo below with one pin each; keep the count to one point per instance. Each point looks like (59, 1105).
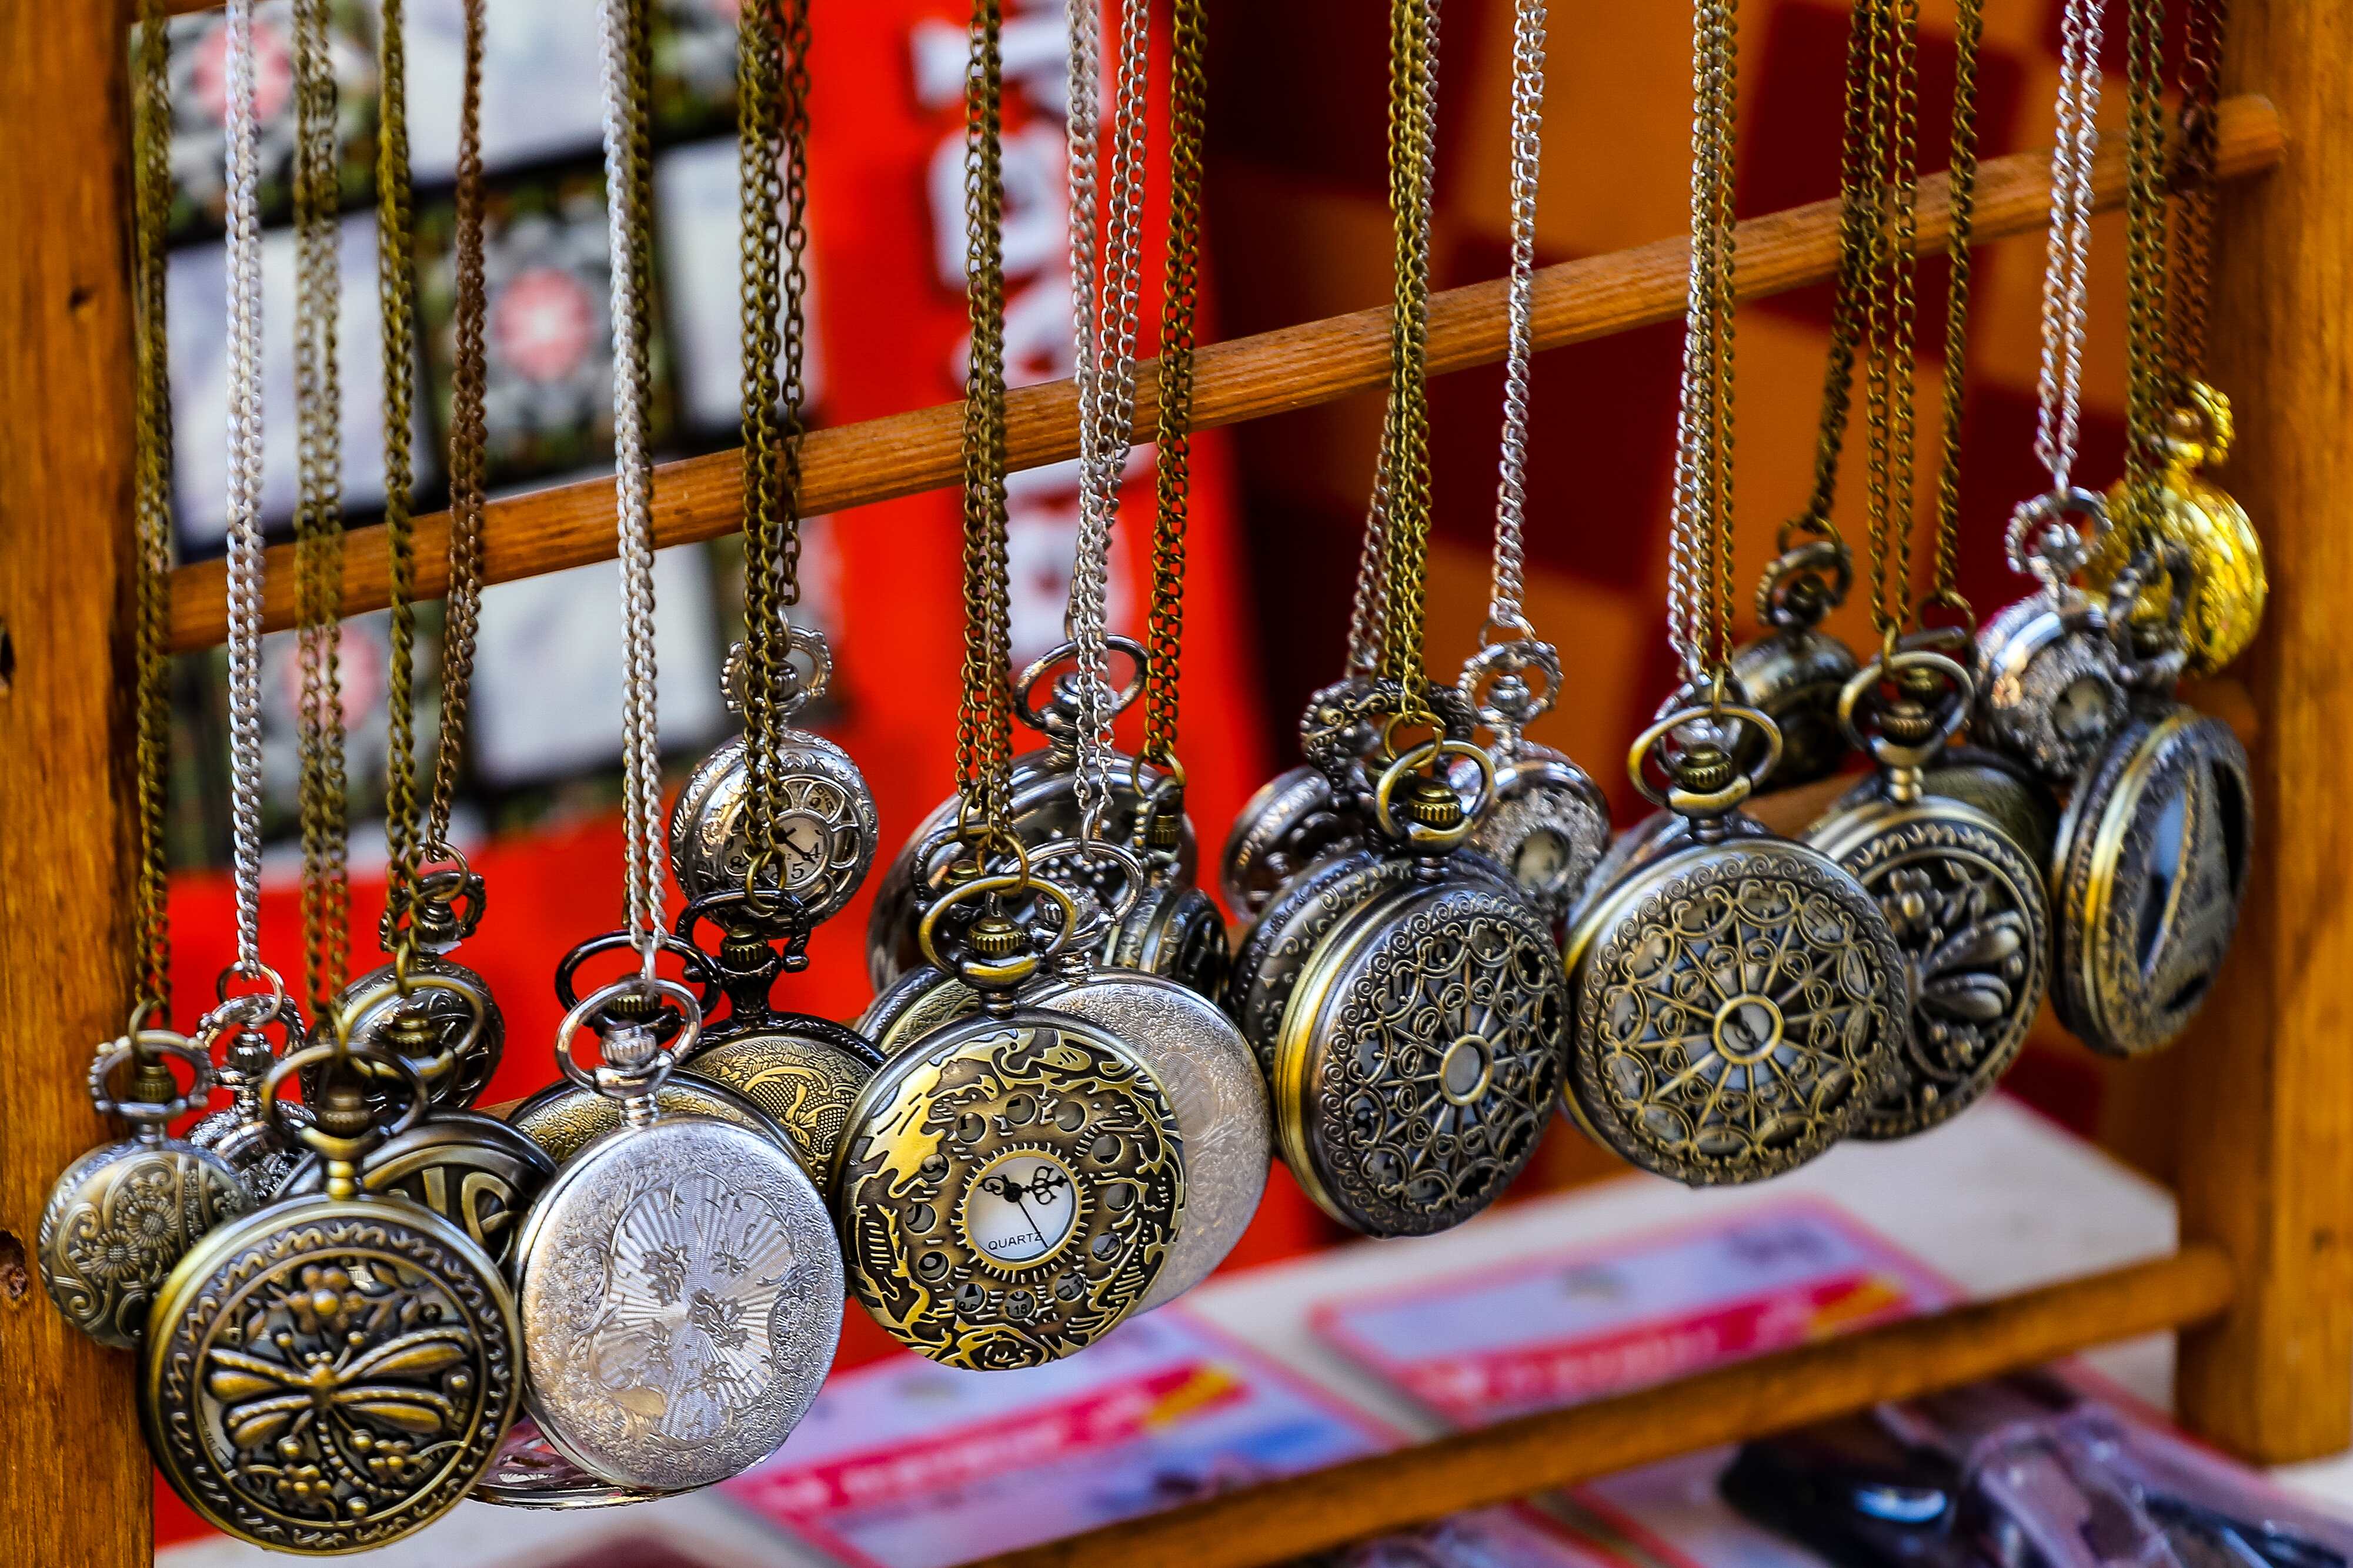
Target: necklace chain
(2067, 266)
(1181, 293)
(1699, 589)
(151, 106)
(468, 439)
(773, 84)
(1505, 614)
(241, 177)
(626, 64)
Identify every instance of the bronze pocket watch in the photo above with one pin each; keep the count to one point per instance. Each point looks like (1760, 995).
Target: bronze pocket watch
(1738, 999)
(1963, 899)
(1795, 672)
(2153, 849)
(824, 813)
(1419, 1052)
(123, 1216)
(1293, 821)
(1011, 1184)
(331, 1372)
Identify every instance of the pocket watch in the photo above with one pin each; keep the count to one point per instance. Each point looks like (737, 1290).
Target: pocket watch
(123, 1216)
(2153, 849)
(1964, 900)
(1044, 809)
(1796, 671)
(824, 809)
(332, 1371)
(1738, 999)
(802, 1071)
(1294, 820)
(1276, 948)
(236, 1032)
(531, 1472)
(1170, 928)
(474, 1170)
(679, 1281)
(2051, 688)
(1420, 1052)
(2228, 583)
(1010, 1186)
(1548, 823)
(437, 1016)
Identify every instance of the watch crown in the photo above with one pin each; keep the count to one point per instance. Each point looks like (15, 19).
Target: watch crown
(994, 938)
(1706, 768)
(1433, 803)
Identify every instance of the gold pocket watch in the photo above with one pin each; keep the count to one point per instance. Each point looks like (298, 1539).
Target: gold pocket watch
(1738, 999)
(1548, 824)
(1011, 1186)
(474, 1170)
(2153, 849)
(1965, 898)
(1795, 672)
(1419, 1053)
(2186, 508)
(335, 1372)
(803, 1071)
(122, 1216)
(678, 1280)
(2051, 688)
(825, 812)
(1213, 1081)
(1043, 809)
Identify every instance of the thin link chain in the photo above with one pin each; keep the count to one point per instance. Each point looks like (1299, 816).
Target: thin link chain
(1505, 614)
(242, 180)
(318, 511)
(2206, 23)
(2147, 359)
(1859, 221)
(1412, 134)
(1961, 186)
(984, 718)
(1368, 611)
(151, 108)
(1105, 306)
(1888, 314)
(462, 608)
(626, 64)
(1180, 298)
(395, 260)
(2065, 273)
(1699, 578)
(771, 145)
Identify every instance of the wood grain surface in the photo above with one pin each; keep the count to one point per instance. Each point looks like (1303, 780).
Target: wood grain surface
(1312, 1512)
(1245, 378)
(74, 1479)
(2263, 1090)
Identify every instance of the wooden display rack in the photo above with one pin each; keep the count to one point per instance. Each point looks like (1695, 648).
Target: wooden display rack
(2261, 1288)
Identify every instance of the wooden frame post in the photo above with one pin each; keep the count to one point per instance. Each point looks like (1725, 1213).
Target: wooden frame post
(2265, 1163)
(75, 1486)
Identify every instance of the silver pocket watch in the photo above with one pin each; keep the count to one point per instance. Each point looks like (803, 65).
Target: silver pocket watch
(1548, 824)
(2053, 690)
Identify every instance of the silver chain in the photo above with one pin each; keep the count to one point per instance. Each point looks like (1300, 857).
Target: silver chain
(245, 549)
(2067, 257)
(624, 108)
(1368, 611)
(1505, 617)
(1697, 418)
(1105, 306)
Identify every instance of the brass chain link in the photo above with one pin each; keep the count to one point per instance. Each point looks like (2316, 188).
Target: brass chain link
(318, 518)
(984, 714)
(1406, 542)
(2191, 255)
(1700, 613)
(1179, 307)
(772, 144)
(396, 295)
(469, 438)
(1889, 312)
(151, 133)
(2145, 315)
(1961, 189)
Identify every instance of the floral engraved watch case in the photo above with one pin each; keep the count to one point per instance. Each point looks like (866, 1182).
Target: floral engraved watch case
(1419, 1053)
(1548, 823)
(123, 1216)
(1739, 999)
(679, 1279)
(824, 811)
(1964, 900)
(1011, 1184)
(2051, 690)
(333, 1372)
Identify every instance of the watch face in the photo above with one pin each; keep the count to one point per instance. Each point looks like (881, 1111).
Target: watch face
(806, 844)
(1022, 1208)
(1543, 855)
